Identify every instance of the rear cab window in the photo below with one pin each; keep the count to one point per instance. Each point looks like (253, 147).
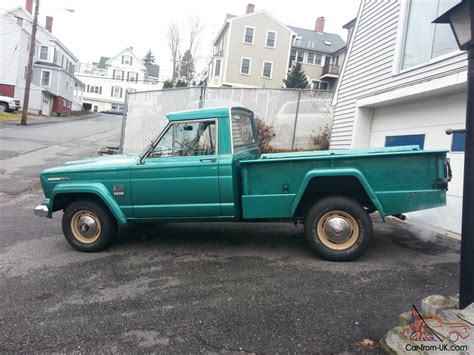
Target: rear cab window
(243, 131)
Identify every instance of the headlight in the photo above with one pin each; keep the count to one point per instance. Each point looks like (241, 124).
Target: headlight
(12, 103)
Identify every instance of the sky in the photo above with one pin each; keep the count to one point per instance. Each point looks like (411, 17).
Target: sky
(105, 27)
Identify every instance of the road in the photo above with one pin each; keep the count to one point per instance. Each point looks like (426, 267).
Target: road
(191, 287)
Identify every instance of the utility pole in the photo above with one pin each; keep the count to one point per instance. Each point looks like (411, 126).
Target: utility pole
(29, 72)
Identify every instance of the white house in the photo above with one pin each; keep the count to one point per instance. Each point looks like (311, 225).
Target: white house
(54, 87)
(404, 81)
(107, 81)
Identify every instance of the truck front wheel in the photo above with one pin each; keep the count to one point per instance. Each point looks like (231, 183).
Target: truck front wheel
(338, 228)
(88, 226)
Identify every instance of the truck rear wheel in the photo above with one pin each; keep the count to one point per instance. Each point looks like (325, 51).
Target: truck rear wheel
(88, 226)
(338, 228)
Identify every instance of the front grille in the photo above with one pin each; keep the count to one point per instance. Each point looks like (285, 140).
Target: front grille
(17, 102)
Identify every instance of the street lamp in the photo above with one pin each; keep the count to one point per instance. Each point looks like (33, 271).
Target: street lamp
(461, 20)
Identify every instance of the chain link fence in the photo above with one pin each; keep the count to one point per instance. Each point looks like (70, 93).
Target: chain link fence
(297, 119)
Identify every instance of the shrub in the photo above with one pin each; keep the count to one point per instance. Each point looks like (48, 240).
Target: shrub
(321, 140)
(265, 134)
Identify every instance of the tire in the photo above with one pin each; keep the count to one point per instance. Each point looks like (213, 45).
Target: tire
(88, 225)
(3, 107)
(347, 237)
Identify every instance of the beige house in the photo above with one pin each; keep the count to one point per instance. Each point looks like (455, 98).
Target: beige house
(257, 50)
(252, 50)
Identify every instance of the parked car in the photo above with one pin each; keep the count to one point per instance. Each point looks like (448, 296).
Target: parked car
(113, 111)
(9, 104)
(206, 166)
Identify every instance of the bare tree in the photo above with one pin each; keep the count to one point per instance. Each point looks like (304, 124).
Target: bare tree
(195, 29)
(174, 41)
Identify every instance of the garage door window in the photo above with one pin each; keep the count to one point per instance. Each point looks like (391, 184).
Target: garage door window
(459, 142)
(414, 139)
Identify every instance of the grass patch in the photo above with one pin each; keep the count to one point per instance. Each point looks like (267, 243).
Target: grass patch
(8, 117)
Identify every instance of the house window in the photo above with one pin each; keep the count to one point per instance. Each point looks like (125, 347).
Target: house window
(292, 55)
(126, 59)
(297, 41)
(299, 56)
(19, 21)
(249, 34)
(310, 58)
(245, 66)
(45, 77)
(423, 39)
(62, 60)
(26, 72)
(271, 39)
(44, 53)
(459, 142)
(413, 139)
(267, 70)
(217, 68)
(118, 74)
(132, 76)
(318, 59)
(116, 92)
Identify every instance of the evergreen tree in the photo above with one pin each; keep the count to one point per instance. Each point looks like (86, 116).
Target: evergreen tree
(181, 84)
(296, 77)
(168, 84)
(149, 58)
(186, 68)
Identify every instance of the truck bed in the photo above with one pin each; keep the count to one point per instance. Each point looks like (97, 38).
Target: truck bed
(396, 179)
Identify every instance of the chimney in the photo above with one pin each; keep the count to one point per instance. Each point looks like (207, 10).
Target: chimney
(29, 6)
(49, 23)
(250, 8)
(319, 25)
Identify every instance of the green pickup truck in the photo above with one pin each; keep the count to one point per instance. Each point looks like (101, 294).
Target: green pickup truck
(206, 166)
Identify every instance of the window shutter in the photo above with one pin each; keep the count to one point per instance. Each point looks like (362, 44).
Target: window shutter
(131, 60)
(123, 58)
(113, 74)
(128, 76)
(100, 90)
(121, 92)
(112, 92)
(87, 87)
(123, 74)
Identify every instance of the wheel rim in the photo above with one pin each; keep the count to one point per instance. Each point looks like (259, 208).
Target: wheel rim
(337, 230)
(85, 226)
(2, 108)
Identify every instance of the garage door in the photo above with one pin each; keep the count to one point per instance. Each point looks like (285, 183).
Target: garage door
(424, 123)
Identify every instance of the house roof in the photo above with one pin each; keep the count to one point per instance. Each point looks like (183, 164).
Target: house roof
(153, 70)
(48, 64)
(318, 41)
(102, 61)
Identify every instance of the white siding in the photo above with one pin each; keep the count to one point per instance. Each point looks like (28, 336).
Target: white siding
(370, 66)
(10, 34)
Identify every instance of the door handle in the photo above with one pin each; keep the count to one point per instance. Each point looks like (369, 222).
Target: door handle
(208, 160)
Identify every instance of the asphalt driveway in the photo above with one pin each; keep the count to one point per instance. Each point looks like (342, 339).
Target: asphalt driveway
(201, 287)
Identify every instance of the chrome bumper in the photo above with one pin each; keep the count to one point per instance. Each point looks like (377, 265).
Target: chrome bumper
(41, 211)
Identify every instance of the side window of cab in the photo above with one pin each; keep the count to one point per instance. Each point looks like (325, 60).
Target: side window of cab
(195, 138)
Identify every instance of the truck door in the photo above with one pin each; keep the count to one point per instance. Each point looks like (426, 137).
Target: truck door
(179, 177)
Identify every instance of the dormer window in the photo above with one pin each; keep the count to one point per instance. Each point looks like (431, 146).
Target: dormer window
(19, 21)
(127, 59)
(327, 43)
(297, 40)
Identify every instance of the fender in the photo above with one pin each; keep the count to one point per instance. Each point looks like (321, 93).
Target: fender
(336, 172)
(95, 188)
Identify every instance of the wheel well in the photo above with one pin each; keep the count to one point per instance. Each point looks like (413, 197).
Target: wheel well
(61, 201)
(320, 187)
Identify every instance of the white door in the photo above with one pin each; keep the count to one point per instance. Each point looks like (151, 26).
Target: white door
(46, 106)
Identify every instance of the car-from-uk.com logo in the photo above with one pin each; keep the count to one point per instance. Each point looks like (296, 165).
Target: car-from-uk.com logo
(432, 333)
